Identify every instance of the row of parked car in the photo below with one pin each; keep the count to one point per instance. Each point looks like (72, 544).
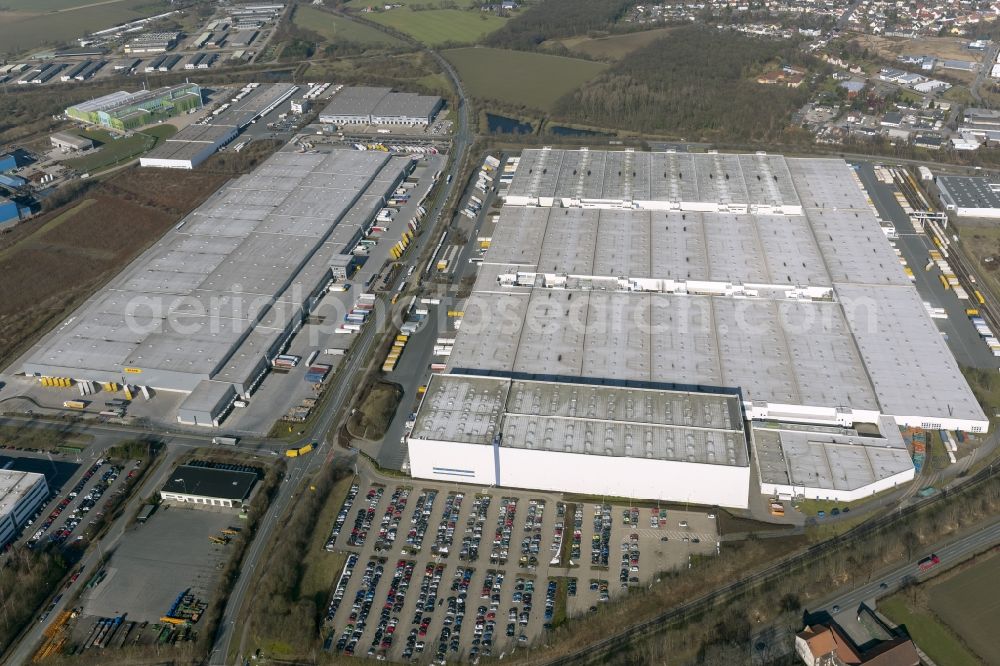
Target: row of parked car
(363, 522)
(393, 606)
(364, 599)
(420, 521)
(474, 527)
(341, 587)
(345, 510)
(391, 519)
(600, 550)
(60, 535)
(505, 525)
(446, 528)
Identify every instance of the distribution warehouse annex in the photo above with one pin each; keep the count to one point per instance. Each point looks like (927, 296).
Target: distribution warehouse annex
(611, 275)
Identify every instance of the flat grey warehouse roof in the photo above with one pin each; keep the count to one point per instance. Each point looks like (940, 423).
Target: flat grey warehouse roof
(828, 458)
(355, 101)
(796, 300)
(214, 295)
(970, 191)
(584, 419)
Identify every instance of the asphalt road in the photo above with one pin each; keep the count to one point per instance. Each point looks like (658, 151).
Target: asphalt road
(771, 642)
(301, 468)
(951, 553)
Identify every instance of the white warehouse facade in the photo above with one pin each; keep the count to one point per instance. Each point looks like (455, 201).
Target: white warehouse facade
(590, 439)
(21, 493)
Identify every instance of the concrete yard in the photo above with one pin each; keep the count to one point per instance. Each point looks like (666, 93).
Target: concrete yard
(158, 560)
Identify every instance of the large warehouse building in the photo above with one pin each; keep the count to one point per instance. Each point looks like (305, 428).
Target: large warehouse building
(196, 143)
(756, 275)
(21, 493)
(125, 111)
(363, 105)
(205, 309)
(590, 439)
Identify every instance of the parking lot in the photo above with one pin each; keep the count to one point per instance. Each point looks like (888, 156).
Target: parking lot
(156, 561)
(78, 505)
(445, 572)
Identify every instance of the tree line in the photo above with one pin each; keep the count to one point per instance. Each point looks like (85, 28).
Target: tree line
(557, 18)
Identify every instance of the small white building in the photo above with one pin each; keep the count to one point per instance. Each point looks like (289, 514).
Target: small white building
(21, 493)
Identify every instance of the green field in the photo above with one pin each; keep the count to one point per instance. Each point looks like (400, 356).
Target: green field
(927, 632)
(36, 6)
(115, 151)
(30, 29)
(969, 603)
(337, 28)
(535, 80)
(614, 47)
(435, 27)
(360, 5)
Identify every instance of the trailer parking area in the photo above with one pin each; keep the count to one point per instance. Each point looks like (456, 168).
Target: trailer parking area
(442, 571)
(158, 560)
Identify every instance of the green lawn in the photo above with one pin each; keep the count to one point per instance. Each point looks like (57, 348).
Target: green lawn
(535, 80)
(116, 151)
(968, 603)
(360, 5)
(930, 635)
(435, 27)
(321, 568)
(43, 5)
(339, 29)
(32, 29)
(614, 47)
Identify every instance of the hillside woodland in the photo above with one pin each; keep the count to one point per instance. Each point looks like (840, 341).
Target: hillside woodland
(698, 83)
(557, 18)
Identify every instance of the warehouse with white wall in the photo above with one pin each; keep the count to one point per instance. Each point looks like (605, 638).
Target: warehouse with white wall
(765, 280)
(21, 493)
(590, 439)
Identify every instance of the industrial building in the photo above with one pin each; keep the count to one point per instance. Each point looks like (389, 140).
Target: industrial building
(124, 110)
(10, 213)
(21, 493)
(582, 438)
(152, 42)
(970, 196)
(363, 105)
(7, 163)
(838, 464)
(752, 275)
(67, 142)
(219, 296)
(189, 147)
(201, 486)
(196, 143)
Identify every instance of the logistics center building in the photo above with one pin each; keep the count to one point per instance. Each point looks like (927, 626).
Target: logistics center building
(754, 275)
(364, 105)
(205, 309)
(125, 111)
(197, 142)
(970, 196)
(21, 493)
